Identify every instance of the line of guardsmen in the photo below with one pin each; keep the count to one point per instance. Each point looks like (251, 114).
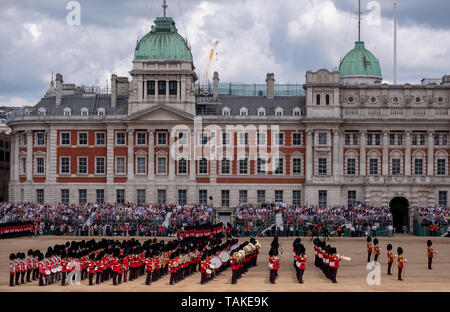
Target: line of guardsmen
(300, 258)
(327, 259)
(243, 257)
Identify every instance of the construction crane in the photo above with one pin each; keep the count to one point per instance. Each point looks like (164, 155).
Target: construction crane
(208, 66)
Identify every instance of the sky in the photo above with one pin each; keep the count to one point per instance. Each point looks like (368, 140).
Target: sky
(284, 37)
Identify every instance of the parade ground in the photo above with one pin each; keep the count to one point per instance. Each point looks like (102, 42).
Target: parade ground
(351, 277)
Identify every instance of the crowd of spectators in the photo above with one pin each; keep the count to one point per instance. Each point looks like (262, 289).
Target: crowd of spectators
(433, 215)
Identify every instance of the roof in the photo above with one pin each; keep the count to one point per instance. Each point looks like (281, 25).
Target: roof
(360, 62)
(163, 43)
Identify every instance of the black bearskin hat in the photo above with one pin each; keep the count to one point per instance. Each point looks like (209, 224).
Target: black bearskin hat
(389, 247)
(375, 241)
(369, 239)
(429, 243)
(12, 256)
(399, 250)
(30, 252)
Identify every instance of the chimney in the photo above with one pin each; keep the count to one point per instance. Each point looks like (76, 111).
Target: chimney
(216, 86)
(59, 88)
(113, 91)
(270, 86)
(446, 80)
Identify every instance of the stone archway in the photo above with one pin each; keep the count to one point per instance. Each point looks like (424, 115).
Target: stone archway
(399, 207)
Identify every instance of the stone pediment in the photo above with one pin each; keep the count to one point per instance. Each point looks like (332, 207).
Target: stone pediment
(161, 112)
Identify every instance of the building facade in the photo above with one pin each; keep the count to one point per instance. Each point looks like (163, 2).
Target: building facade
(343, 136)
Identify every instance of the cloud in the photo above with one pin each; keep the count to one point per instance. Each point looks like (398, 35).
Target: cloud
(14, 101)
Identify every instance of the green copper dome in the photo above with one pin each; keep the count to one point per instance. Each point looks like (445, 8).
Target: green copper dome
(163, 43)
(360, 62)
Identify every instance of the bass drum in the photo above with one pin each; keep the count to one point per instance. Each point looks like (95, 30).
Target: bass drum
(224, 256)
(215, 263)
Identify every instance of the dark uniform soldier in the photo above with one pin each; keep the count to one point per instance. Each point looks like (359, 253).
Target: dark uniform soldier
(376, 248)
(400, 263)
(12, 269)
(430, 253)
(91, 268)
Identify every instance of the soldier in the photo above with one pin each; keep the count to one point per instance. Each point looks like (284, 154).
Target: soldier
(64, 270)
(42, 269)
(234, 267)
(369, 248)
(98, 268)
(400, 263)
(91, 268)
(12, 269)
(390, 258)
(334, 265)
(430, 253)
(376, 248)
(115, 265)
(273, 264)
(203, 268)
(148, 267)
(30, 262)
(300, 262)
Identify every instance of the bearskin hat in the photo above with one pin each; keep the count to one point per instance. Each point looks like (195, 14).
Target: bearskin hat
(375, 241)
(429, 243)
(389, 247)
(12, 256)
(399, 250)
(369, 239)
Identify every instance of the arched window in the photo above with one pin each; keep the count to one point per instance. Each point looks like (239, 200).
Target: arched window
(419, 162)
(318, 99)
(225, 111)
(351, 163)
(297, 111)
(374, 163)
(396, 163)
(327, 99)
(441, 163)
(261, 111)
(279, 111)
(243, 111)
(84, 111)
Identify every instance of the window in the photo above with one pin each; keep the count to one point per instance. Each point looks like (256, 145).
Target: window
(322, 199)
(100, 165)
(373, 166)
(42, 111)
(351, 198)
(173, 87)
(203, 166)
(141, 138)
(296, 166)
(396, 166)
(141, 165)
(440, 139)
(82, 165)
(225, 166)
(65, 196)
(182, 138)
(65, 138)
(327, 99)
(82, 197)
(100, 138)
(226, 138)
(203, 138)
(40, 196)
(399, 139)
(120, 165)
(443, 198)
(162, 138)
(261, 138)
(67, 111)
(225, 111)
(318, 99)
(351, 166)
(279, 197)
(351, 139)
(82, 138)
(377, 139)
(243, 197)
(297, 139)
(440, 168)
(261, 111)
(347, 140)
(40, 167)
(140, 197)
(225, 198)
(182, 197)
(297, 112)
(243, 111)
(120, 196)
(84, 111)
(182, 166)
(23, 165)
(243, 139)
(101, 111)
(151, 87)
(396, 139)
(202, 197)
(24, 139)
(120, 138)
(279, 111)
(162, 165)
(261, 165)
(243, 166)
(297, 197)
(161, 197)
(261, 196)
(422, 139)
(279, 138)
(100, 196)
(279, 166)
(162, 87)
(322, 166)
(418, 166)
(322, 138)
(40, 139)
(391, 139)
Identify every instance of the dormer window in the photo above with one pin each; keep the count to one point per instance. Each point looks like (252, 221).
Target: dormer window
(84, 111)
(42, 111)
(225, 111)
(297, 111)
(279, 111)
(28, 112)
(243, 111)
(67, 111)
(101, 111)
(261, 111)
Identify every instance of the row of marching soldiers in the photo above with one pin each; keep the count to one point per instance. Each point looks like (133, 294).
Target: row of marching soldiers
(243, 257)
(327, 259)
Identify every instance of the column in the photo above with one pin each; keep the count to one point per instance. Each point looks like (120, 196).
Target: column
(156, 89)
(430, 156)
(336, 154)
(183, 89)
(140, 89)
(167, 90)
(178, 89)
(362, 154)
(151, 155)
(144, 85)
(29, 156)
(192, 158)
(309, 155)
(171, 157)
(385, 153)
(408, 154)
(130, 154)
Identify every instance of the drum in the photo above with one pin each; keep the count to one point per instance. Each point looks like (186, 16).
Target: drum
(208, 271)
(215, 263)
(47, 272)
(224, 256)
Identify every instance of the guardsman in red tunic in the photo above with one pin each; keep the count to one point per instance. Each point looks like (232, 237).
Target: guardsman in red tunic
(273, 264)
(436, 229)
(126, 266)
(35, 265)
(203, 269)
(334, 264)
(148, 267)
(42, 269)
(18, 268)
(369, 248)
(300, 262)
(115, 264)
(430, 253)
(431, 229)
(29, 265)
(376, 248)
(91, 268)
(98, 269)
(390, 258)
(12, 269)
(400, 263)
(234, 267)
(64, 270)
(173, 268)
